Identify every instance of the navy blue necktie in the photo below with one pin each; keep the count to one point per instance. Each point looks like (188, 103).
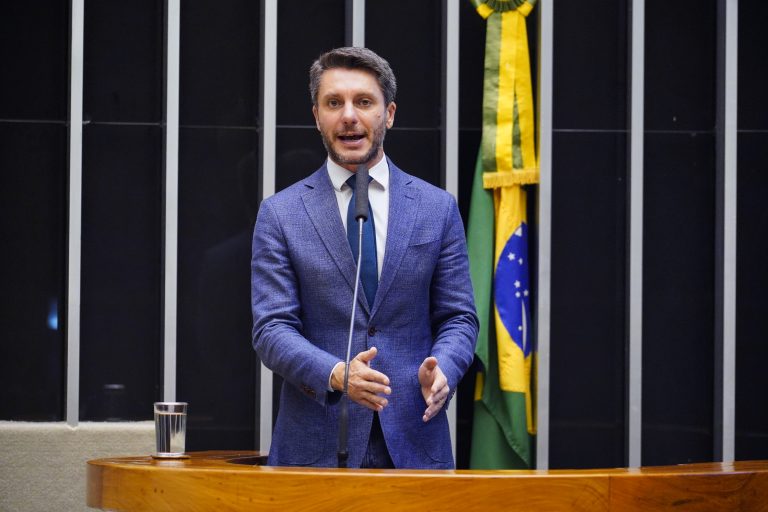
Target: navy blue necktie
(369, 275)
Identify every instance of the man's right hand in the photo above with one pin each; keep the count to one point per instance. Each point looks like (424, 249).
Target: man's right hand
(366, 385)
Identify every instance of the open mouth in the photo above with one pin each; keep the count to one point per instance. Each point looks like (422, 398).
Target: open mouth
(354, 137)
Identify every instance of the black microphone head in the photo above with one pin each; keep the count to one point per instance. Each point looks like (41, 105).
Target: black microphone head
(361, 193)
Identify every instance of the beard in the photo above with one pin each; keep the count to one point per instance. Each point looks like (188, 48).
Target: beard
(378, 141)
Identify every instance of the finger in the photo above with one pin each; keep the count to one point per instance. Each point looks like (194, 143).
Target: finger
(365, 373)
(438, 397)
(440, 383)
(371, 401)
(366, 403)
(430, 363)
(361, 395)
(369, 380)
(436, 402)
(367, 355)
(376, 400)
(366, 386)
(373, 376)
(371, 405)
(431, 411)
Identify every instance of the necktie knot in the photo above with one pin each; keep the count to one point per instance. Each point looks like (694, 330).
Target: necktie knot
(352, 181)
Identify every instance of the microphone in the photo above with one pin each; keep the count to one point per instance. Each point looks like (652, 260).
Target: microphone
(361, 194)
(361, 215)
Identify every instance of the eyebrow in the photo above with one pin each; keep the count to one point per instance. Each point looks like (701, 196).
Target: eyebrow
(333, 94)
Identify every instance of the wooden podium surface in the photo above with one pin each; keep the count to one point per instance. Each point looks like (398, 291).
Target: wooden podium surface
(229, 481)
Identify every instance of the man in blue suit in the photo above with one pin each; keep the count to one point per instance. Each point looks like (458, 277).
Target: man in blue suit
(415, 323)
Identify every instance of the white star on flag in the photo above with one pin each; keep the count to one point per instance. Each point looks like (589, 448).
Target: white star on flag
(517, 284)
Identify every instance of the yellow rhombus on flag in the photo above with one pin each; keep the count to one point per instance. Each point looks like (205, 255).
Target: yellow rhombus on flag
(503, 428)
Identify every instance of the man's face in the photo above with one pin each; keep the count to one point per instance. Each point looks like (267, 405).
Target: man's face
(352, 117)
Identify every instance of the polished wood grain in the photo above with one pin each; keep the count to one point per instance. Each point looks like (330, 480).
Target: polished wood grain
(229, 481)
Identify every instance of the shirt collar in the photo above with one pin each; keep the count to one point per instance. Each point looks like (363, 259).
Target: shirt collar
(339, 175)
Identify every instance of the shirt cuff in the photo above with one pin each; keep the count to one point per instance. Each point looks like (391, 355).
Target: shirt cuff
(330, 388)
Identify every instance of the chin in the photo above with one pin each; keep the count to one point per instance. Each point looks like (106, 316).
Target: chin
(353, 159)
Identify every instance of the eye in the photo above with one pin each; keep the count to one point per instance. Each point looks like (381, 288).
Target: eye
(333, 103)
(365, 102)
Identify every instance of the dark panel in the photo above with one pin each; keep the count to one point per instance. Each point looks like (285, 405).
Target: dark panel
(219, 63)
(753, 75)
(469, 147)
(751, 299)
(678, 298)
(34, 50)
(464, 403)
(588, 304)
(217, 373)
(680, 65)
(417, 152)
(123, 53)
(471, 66)
(590, 56)
(121, 336)
(32, 227)
(408, 34)
(304, 31)
(298, 153)
(471, 60)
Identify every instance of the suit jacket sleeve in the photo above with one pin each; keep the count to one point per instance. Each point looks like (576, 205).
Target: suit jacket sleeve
(452, 310)
(276, 310)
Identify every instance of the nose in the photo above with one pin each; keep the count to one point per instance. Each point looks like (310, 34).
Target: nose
(348, 113)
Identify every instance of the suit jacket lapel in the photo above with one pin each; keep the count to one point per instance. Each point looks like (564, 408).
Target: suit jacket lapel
(323, 210)
(403, 205)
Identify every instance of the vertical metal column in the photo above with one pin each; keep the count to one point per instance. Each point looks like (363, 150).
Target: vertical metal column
(450, 135)
(173, 20)
(725, 235)
(268, 130)
(451, 33)
(544, 279)
(354, 25)
(635, 246)
(75, 211)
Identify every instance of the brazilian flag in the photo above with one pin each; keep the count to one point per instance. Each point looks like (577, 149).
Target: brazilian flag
(504, 426)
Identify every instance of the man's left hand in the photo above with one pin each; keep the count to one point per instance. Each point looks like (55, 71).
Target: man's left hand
(434, 387)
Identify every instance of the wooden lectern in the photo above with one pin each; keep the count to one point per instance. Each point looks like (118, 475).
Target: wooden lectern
(235, 481)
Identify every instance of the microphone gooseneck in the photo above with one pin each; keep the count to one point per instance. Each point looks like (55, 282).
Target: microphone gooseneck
(361, 215)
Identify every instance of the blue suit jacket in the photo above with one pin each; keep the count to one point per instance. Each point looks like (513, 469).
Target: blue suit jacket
(302, 285)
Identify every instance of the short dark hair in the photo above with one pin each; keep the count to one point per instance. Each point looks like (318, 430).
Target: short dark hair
(352, 57)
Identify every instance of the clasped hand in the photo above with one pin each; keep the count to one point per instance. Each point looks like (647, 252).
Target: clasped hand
(369, 387)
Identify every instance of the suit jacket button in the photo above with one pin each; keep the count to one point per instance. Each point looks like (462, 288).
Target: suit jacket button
(308, 390)
(371, 331)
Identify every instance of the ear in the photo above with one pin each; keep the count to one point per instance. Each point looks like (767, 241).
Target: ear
(314, 113)
(391, 114)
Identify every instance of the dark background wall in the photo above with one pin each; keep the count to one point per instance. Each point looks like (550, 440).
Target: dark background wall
(219, 173)
(589, 219)
(751, 245)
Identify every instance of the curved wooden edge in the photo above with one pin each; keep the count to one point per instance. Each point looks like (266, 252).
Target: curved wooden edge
(211, 481)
